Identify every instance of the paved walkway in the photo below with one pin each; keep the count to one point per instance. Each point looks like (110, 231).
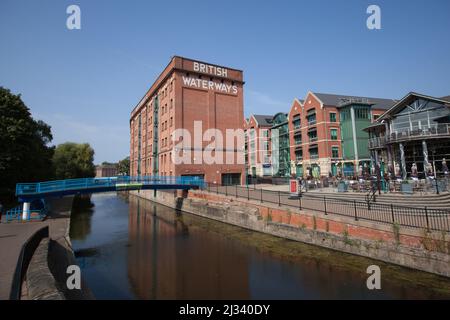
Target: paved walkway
(13, 235)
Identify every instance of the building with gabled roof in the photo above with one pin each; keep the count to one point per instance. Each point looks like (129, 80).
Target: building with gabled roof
(412, 138)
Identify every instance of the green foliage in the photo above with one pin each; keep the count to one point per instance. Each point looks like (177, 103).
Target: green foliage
(24, 154)
(346, 237)
(74, 160)
(123, 167)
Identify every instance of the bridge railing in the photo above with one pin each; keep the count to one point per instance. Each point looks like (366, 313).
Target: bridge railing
(86, 183)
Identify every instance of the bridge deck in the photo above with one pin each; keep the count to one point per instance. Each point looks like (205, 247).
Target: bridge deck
(30, 191)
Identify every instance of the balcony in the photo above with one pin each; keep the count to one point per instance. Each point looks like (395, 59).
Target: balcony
(312, 122)
(441, 130)
(314, 156)
(313, 139)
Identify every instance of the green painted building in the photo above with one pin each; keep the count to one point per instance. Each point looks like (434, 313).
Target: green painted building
(355, 116)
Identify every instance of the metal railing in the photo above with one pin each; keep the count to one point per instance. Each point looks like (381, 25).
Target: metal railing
(437, 130)
(86, 183)
(412, 217)
(16, 214)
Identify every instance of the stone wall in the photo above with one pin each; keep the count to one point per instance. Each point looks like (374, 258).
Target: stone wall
(417, 249)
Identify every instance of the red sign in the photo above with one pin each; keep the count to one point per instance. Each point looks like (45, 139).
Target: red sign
(293, 186)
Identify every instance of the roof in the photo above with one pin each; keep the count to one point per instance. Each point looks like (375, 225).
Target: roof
(337, 99)
(406, 99)
(263, 120)
(374, 125)
(446, 98)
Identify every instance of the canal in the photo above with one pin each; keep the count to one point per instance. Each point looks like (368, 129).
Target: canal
(131, 248)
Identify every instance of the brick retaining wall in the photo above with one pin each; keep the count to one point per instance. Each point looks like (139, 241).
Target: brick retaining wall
(417, 249)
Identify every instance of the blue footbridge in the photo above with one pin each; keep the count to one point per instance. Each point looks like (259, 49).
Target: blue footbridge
(32, 195)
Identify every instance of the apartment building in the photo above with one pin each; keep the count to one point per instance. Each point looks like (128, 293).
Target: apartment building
(327, 134)
(187, 99)
(258, 152)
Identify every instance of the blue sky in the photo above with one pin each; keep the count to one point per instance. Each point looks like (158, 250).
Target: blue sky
(84, 83)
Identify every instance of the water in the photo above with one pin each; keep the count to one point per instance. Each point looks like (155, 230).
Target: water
(135, 249)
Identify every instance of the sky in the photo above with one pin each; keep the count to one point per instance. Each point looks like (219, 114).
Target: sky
(84, 83)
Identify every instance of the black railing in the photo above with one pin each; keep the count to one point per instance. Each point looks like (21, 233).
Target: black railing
(412, 217)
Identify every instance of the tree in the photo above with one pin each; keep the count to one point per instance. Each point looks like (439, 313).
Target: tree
(74, 160)
(123, 167)
(24, 153)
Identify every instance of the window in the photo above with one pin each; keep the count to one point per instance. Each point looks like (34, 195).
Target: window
(265, 133)
(171, 104)
(298, 155)
(375, 117)
(335, 152)
(171, 121)
(362, 113)
(332, 117)
(296, 122)
(334, 134)
(314, 153)
(312, 135)
(298, 139)
(311, 116)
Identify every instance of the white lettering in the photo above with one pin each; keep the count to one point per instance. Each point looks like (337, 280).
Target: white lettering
(374, 20)
(206, 68)
(374, 280)
(209, 85)
(74, 20)
(74, 280)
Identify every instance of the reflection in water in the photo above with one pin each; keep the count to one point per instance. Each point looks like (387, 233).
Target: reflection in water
(139, 250)
(169, 260)
(80, 220)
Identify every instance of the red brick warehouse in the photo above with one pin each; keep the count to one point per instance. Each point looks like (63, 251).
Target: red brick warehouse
(187, 91)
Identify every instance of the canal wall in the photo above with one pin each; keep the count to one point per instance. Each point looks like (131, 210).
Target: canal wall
(413, 248)
(46, 273)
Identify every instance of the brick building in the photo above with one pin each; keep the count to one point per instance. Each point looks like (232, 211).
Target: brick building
(188, 93)
(326, 132)
(258, 147)
(106, 170)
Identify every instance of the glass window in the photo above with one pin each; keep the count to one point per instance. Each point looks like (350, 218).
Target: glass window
(332, 117)
(335, 152)
(311, 118)
(314, 153)
(334, 134)
(312, 135)
(296, 121)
